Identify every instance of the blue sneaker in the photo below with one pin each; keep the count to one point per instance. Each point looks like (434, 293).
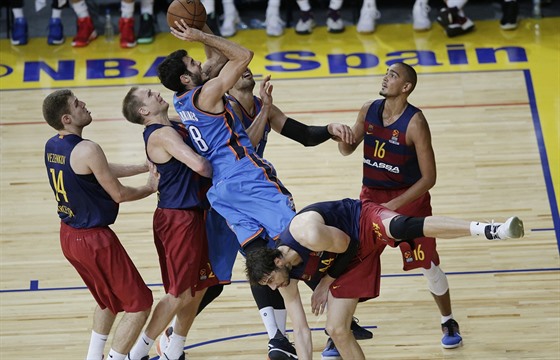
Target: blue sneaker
(451, 336)
(330, 352)
(19, 31)
(56, 32)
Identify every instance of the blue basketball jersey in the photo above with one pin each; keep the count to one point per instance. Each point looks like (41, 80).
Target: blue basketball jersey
(247, 120)
(82, 201)
(220, 138)
(179, 187)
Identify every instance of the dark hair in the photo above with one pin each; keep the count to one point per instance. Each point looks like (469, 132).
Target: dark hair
(55, 106)
(130, 106)
(259, 263)
(170, 70)
(409, 74)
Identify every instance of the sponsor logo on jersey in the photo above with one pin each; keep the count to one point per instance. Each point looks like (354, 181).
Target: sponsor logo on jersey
(381, 165)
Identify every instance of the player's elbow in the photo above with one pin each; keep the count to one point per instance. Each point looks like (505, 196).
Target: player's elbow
(204, 168)
(248, 56)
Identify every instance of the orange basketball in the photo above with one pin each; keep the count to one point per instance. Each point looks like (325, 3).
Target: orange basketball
(192, 11)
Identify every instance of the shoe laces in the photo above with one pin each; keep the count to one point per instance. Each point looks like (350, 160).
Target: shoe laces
(494, 229)
(450, 328)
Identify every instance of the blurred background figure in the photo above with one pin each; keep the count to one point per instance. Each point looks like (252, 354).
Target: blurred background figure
(86, 30)
(510, 11)
(420, 19)
(306, 22)
(453, 19)
(19, 29)
(232, 21)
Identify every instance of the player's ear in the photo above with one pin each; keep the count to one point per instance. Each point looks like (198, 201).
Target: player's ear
(143, 111)
(185, 79)
(66, 119)
(407, 86)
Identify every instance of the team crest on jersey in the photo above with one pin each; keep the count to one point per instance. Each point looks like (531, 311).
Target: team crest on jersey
(395, 137)
(377, 231)
(407, 255)
(203, 276)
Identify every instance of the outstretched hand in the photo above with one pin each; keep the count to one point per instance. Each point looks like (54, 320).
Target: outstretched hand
(265, 91)
(183, 32)
(342, 133)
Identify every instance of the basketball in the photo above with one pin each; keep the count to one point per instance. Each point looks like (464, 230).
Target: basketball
(192, 11)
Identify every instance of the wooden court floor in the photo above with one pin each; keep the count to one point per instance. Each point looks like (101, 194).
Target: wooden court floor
(488, 145)
(505, 294)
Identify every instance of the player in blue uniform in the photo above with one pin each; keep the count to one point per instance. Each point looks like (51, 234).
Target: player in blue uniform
(246, 190)
(339, 243)
(88, 194)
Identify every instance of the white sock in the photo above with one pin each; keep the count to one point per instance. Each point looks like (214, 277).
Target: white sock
(147, 7)
(335, 4)
(229, 8)
(127, 10)
(96, 345)
(369, 4)
(175, 346)
(273, 7)
(142, 347)
(56, 13)
(304, 5)
(456, 3)
(18, 13)
(209, 5)
(113, 355)
(445, 318)
(477, 228)
(269, 320)
(281, 315)
(80, 8)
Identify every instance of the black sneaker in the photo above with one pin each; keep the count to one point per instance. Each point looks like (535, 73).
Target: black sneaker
(281, 349)
(453, 23)
(359, 332)
(147, 30)
(510, 10)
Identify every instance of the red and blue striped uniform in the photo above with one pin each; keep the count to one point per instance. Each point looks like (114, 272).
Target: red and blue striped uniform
(388, 162)
(179, 187)
(82, 201)
(247, 120)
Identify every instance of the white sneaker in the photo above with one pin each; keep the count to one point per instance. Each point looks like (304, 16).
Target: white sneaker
(366, 23)
(229, 25)
(164, 341)
(511, 229)
(274, 25)
(335, 26)
(305, 27)
(420, 19)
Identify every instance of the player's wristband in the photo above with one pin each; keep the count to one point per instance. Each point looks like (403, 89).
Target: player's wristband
(305, 134)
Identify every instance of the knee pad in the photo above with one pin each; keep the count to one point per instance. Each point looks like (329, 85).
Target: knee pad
(406, 227)
(437, 280)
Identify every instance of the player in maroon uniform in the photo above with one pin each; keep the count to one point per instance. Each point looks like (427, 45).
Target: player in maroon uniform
(399, 170)
(179, 220)
(88, 193)
(338, 243)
